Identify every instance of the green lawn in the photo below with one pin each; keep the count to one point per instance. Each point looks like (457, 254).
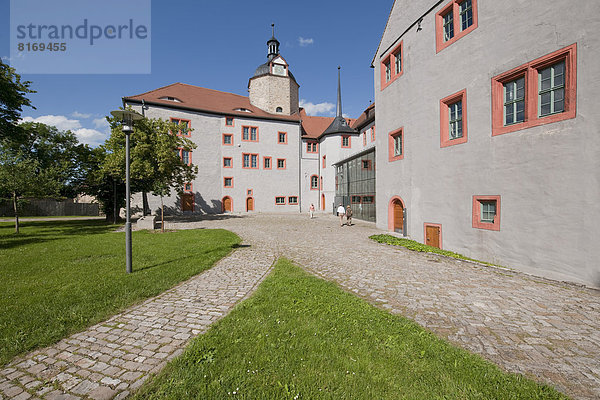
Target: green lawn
(300, 337)
(58, 277)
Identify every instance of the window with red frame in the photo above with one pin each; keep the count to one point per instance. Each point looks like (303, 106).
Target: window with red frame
(227, 162)
(228, 139)
(540, 92)
(282, 137)
(346, 141)
(293, 200)
(187, 187)
(314, 182)
(281, 163)
(486, 212)
(396, 145)
(312, 147)
(228, 182)
(453, 119)
(185, 156)
(229, 121)
(372, 134)
(249, 133)
(184, 125)
(392, 65)
(324, 165)
(456, 19)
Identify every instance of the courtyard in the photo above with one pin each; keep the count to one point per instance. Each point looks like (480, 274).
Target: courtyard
(545, 330)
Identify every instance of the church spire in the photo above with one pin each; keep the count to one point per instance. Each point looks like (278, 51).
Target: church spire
(339, 123)
(339, 97)
(273, 45)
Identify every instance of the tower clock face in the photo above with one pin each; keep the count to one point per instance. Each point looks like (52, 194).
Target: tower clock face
(278, 69)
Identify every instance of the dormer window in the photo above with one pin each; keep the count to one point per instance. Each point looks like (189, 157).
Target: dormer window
(169, 98)
(243, 110)
(279, 109)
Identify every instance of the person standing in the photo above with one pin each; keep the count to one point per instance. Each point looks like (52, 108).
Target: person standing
(312, 210)
(348, 216)
(341, 212)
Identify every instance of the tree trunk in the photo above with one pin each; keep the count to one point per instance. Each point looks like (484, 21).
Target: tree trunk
(16, 212)
(162, 215)
(145, 205)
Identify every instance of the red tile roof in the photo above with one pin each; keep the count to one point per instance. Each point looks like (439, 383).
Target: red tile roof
(315, 126)
(366, 115)
(208, 100)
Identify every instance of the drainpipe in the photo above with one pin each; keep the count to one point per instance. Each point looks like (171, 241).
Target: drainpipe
(300, 166)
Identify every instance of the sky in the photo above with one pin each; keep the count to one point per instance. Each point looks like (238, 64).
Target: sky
(218, 45)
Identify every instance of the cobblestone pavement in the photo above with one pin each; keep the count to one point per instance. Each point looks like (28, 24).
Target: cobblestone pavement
(544, 329)
(111, 359)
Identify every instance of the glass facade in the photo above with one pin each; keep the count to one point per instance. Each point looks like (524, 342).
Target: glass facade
(355, 185)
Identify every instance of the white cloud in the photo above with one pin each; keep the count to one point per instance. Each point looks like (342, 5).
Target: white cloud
(59, 121)
(92, 137)
(305, 41)
(324, 109)
(77, 114)
(100, 123)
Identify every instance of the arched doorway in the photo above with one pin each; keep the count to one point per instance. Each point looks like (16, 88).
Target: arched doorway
(250, 204)
(396, 215)
(322, 202)
(227, 203)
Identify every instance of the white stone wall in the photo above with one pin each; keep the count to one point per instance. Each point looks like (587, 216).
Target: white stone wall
(547, 176)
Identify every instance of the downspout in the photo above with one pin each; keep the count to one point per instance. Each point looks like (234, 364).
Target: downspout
(300, 166)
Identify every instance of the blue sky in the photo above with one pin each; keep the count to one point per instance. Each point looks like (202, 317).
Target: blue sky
(218, 45)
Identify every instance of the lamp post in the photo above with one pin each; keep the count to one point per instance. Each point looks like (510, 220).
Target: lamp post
(127, 118)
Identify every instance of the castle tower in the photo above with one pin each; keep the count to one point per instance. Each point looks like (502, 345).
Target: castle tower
(273, 88)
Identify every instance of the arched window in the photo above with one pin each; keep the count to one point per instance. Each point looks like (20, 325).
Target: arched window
(314, 182)
(279, 109)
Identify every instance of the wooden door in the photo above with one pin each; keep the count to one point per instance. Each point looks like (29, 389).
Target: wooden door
(227, 204)
(250, 204)
(187, 202)
(322, 202)
(432, 236)
(398, 217)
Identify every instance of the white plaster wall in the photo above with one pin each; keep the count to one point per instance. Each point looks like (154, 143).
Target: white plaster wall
(547, 176)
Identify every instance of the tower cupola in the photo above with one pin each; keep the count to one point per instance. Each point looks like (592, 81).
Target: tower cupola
(273, 45)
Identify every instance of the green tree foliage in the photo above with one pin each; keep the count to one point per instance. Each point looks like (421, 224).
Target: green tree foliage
(12, 100)
(156, 166)
(43, 162)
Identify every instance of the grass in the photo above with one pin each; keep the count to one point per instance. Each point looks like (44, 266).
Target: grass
(299, 337)
(59, 277)
(416, 246)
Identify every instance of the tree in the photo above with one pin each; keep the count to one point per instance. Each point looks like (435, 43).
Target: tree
(156, 166)
(12, 100)
(43, 162)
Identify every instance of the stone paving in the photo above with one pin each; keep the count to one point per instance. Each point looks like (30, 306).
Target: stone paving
(547, 330)
(544, 329)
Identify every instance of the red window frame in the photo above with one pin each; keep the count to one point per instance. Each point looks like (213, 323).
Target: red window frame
(290, 200)
(349, 141)
(279, 137)
(181, 155)
(530, 72)
(223, 139)
(477, 223)
(249, 133)
(308, 147)
(270, 162)
(230, 162)
(189, 126)
(369, 164)
(373, 133)
(185, 187)
(225, 181)
(391, 136)
(280, 204)
(391, 58)
(314, 187)
(284, 163)
(250, 160)
(324, 162)
(454, 7)
(232, 121)
(444, 127)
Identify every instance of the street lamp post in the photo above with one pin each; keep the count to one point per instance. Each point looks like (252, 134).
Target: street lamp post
(127, 118)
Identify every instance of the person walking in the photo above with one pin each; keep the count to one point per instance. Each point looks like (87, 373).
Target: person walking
(312, 210)
(341, 212)
(348, 216)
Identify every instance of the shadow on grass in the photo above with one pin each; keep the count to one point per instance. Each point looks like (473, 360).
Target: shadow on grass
(205, 217)
(44, 231)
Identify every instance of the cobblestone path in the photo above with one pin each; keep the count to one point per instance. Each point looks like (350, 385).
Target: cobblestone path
(544, 329)
(111, 359)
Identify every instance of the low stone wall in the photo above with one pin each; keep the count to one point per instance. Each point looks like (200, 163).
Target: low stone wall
(49, 207)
